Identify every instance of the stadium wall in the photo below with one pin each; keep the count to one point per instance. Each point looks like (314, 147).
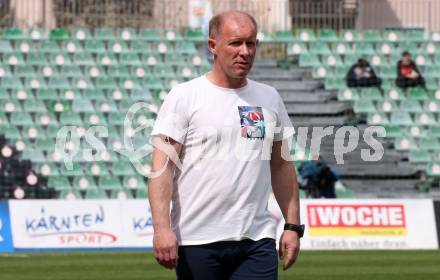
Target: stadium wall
(53, 225)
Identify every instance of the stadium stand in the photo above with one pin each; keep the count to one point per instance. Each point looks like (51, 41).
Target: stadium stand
(86, 77)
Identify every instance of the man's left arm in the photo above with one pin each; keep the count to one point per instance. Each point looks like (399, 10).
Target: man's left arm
(285, 189)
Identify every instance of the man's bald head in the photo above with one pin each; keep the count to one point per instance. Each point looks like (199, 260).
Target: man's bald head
(216, 22)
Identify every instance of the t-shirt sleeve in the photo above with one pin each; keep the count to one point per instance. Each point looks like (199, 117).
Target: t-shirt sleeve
(172, 120)
(284, 124)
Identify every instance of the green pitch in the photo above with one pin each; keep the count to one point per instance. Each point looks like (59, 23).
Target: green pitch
(354, 265)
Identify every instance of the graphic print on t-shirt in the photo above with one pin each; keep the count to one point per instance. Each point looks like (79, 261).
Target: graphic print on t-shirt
(252, 122)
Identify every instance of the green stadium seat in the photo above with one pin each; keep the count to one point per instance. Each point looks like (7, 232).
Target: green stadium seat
(71, 71)
(13, 59)
(364, 48)
(417, 131)
(415, 36)
(419, 156)
(21, 119)
(59, 183)
(104, 34)
(411, 106)
(195, 35)
(122, 168)
(83, 59)
(431, 106)
(185, 48)
(342, 48)
(327, 35)
(364, 106)
(130, 59)
(385, 48)
(96, 168)
(81, 34)
(34, 106)
(309, 60)
(333, 83)
(60, 59)
(95, 47)
(393, 130)
(407, 46)
(109, 182)
(372, 36)
(95, 118)
(59, 34)
(45, 144)
(349, 36)
(71, 46)
(332, 60)
(6, 47)
(371, 94)
(10, 105)
(388, 72)
(264, 37)
(126, 34)
(74, 170)
(387, 106)
(70, 118)
(140, 47)
(149, 34)
(37, 34)
(52, 129)
(118, 71)
(59, 82)
(96, 194)
(134, 182)
(141, 193)
(434, 131)
(405, 143)
(429, 144)
(341, 71)
(401, 118)
(297, 48)
(393, 36)
(118, 47)
(432, 71)
(83, 182)
(121, 194)
(13, 33)
(107, 59)
(319, 48)
(433, 169)
(417, 93)
(321, 72)
(431, 84)
(82, 105)
(35, 83)
(106, 83)
(106, 106)
(172, 35)
(348, 94)
(284, 36)
(305, 35)
(350, 59)
(425, 118)
(24, 71)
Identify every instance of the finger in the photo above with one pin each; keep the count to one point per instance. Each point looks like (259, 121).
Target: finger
(288, 261)
(281, 250)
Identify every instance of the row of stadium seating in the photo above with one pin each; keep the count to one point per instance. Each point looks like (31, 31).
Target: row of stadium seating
(196, 35)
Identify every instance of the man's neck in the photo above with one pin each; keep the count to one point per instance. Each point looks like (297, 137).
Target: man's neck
(220, 79)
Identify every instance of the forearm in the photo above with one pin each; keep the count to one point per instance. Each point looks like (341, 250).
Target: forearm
(159, 194)
(285, 189)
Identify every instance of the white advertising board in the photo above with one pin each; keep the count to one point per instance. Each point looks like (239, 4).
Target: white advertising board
(365, 224)
(330, 224)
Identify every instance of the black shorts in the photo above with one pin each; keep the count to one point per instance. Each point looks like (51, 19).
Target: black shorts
(238, 260)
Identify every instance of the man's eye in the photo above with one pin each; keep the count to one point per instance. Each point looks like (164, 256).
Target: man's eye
(236, 43)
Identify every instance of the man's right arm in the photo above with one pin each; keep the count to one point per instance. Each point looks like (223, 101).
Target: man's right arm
(160, 190)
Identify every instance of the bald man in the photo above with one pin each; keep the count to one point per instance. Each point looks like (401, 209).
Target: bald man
(220, 147)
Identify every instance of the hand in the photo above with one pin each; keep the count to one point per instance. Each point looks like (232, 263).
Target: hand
(289, 248)
(165, 248)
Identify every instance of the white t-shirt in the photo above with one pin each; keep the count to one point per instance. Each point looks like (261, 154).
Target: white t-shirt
(222, 187)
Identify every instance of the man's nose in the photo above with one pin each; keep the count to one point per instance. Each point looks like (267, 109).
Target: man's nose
(244, 49)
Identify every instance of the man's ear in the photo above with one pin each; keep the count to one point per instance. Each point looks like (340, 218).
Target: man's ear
(211, 45)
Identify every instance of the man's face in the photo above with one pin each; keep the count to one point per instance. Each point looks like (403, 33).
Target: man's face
(406, 59)
(235, 46)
